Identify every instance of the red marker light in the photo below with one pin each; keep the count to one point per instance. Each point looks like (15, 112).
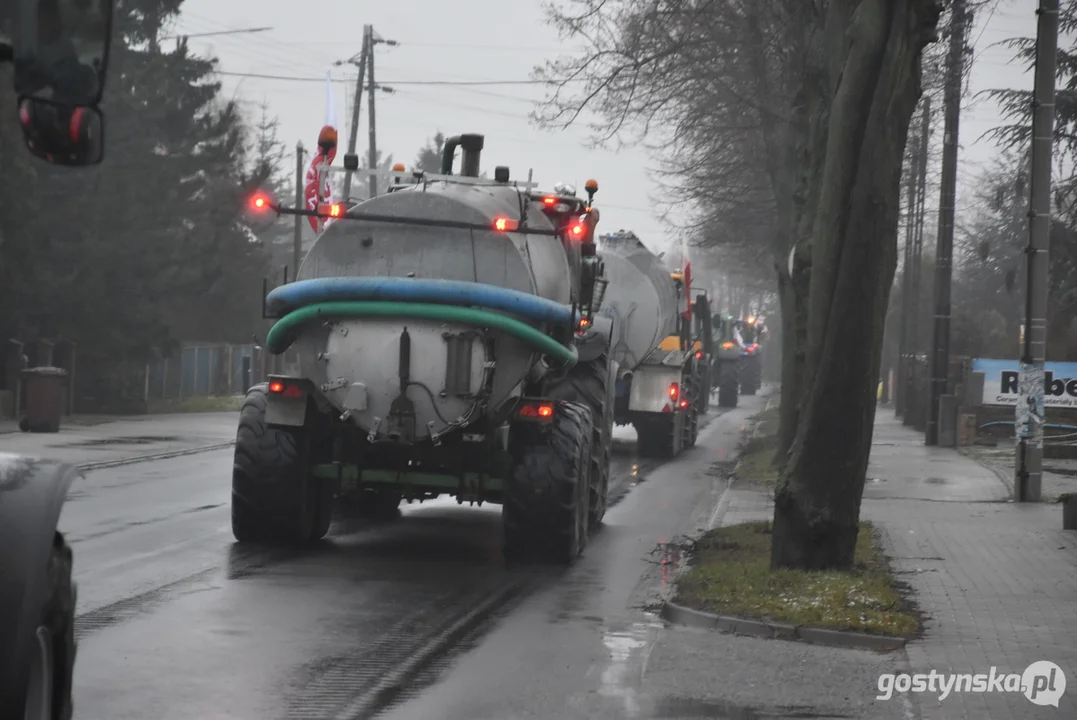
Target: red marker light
(260, 202)
(674, 391)
(699, 355)
(503, 224)
(276, 387)
(545, 411)
(549, 200)
(684, 403)
(335, 210)
(542, 411)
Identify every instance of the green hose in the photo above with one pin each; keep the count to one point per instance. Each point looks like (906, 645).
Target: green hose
(285, 331)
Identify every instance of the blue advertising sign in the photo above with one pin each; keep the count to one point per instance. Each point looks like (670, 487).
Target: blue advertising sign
(1002, 382)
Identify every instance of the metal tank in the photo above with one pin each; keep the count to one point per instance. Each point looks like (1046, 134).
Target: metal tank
(640, 295)
(367, 350)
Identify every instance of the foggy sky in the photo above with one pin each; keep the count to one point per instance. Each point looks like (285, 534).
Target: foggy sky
(482, 40)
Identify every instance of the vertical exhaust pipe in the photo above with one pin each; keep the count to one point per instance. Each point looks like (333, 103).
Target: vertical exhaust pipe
(471, 150)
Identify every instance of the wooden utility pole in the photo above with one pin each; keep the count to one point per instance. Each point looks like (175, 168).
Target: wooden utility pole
(940, 347)
(1028, 466)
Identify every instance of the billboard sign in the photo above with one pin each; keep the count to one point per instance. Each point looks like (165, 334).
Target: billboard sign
(1002, 378)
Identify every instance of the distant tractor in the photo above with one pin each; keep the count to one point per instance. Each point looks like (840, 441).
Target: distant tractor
(663, 378)
(728, 360)
(753, 332)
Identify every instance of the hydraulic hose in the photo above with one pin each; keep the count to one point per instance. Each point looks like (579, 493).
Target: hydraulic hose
(286, 298)
(285, 331)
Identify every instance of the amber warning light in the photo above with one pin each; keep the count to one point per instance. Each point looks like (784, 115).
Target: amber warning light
(334, 210)
(504, 224)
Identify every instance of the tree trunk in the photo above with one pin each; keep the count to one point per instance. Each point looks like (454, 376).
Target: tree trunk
(873, 50)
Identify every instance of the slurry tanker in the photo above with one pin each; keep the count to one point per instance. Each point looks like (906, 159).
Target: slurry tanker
(663, 356)
(447, 343)
(59, 79)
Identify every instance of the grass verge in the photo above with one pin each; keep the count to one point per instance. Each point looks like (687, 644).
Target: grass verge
(730, 574)
(756, 465)
(224, 403)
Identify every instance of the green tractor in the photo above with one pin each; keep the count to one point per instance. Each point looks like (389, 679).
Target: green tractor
(727, 359)
(753, 333)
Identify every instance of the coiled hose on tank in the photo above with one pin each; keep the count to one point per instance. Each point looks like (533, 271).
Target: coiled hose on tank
(285, 332)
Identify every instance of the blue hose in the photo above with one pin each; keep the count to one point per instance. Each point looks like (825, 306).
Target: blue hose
(291, 297)
(1011, 422)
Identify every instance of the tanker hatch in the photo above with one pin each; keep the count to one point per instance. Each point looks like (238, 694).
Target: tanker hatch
(470, 151)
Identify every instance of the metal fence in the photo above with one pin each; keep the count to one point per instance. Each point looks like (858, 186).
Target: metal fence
(200, 370)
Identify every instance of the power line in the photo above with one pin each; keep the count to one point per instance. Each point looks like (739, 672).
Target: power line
(296, 78)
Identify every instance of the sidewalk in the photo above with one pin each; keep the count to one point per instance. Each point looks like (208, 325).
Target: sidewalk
(996, 581)
(99, 440)
(1059, 476)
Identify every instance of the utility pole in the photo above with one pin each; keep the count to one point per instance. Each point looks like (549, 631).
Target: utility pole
(940, 349)
(1028, 464)
(370, 109)
(297, 239)
(353, 133)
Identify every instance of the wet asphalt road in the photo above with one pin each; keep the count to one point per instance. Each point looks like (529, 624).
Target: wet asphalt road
(412, 618)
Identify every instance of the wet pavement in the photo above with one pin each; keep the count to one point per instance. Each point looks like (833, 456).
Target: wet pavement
(418, 617)
(124, 439)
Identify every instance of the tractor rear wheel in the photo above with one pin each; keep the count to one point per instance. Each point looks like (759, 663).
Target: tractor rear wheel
(48, 688)
(591, 384)
(544, 511)
(275, 499)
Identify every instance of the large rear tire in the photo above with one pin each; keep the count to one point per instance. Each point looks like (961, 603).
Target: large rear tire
(591, 384)
(275, 500)
(544, 512)
(661, 438)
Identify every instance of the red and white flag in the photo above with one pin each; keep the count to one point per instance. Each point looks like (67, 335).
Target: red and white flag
(326, 152)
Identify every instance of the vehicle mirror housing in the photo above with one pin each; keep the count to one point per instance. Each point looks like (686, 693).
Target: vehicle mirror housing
(60, 50)
(62, 134)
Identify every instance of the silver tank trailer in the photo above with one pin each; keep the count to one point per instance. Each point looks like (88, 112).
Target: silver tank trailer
(641, 295)
(366, 350)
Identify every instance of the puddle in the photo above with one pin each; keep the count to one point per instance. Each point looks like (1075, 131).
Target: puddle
(935, 481)
(622, 676)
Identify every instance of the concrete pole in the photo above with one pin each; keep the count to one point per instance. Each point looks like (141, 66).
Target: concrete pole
(370, 109)
(940, 349)
(1028, 466)
(353, 131)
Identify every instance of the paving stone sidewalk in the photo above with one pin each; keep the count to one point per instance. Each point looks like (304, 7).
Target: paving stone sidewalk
(996, 580)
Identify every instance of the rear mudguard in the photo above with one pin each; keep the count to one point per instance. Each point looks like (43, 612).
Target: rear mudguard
(32, 493)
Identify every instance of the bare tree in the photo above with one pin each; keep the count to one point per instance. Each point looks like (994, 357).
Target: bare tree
(815, 95)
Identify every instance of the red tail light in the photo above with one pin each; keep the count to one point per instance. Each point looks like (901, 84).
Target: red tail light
(536, 411)
(285, 389)
(674, 391)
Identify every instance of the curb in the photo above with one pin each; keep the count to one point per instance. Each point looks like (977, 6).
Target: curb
(86, 467)
(674, 613)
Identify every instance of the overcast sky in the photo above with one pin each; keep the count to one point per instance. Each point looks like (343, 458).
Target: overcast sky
(490, 40)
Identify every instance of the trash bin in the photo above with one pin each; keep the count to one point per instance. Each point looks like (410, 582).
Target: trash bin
(44, 400)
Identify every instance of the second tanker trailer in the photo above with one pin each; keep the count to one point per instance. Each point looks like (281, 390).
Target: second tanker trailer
(662, 356)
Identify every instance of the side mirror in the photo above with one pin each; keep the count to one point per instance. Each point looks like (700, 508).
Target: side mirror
(60, 50)
(62, 134)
